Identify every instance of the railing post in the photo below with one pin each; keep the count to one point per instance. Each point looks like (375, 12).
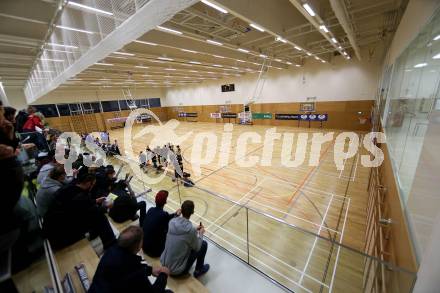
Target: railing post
(247, 234)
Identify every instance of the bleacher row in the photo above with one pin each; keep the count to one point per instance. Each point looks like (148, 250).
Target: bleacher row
(85, 252)
(54, 270)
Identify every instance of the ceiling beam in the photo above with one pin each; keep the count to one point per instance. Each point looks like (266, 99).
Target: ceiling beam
(9, 39)
(146, 18)
(316, 21)
(341, 13)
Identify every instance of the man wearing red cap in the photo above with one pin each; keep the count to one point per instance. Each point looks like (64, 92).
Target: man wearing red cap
(155, 226)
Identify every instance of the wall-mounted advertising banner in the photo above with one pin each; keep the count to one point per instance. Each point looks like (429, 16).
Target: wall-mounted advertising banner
(184, 114)
(322, 117)
(256, 116)
(287, 116)
(216, 115)
(303, 117)
(229, 115)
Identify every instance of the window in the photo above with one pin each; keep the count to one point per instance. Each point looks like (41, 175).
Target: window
(47, 110)
(110, 106)
(64, 109)
(123, 104)
(154, 102)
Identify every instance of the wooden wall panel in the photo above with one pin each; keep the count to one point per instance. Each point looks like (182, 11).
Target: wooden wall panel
(342, 115)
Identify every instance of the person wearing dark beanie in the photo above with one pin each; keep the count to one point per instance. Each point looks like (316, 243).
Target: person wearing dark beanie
(155, 226)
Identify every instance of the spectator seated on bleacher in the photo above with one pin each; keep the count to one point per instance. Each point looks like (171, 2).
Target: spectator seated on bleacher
(121, 269)
(125, 205)
(11, 174)
(105, 179)
(50, 185)
(155, 226)
(47, 163)
(74, 212)
(185, 245)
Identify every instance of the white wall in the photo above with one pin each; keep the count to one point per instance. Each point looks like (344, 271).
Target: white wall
(72, 96)
(16, 98)
(341, 81)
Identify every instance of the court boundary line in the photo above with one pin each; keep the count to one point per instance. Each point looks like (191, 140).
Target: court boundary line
(339, 248)
(310, 172)
(316, 240)
(250, 243)
(237, 203)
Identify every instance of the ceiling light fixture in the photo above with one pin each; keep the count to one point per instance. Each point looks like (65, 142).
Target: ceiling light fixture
(61, 45)
(59, 51)
(104, 64)
(123, 53)
(217, 65)
(263, 56)
(165, 59)
(420, 65)
(242, 61)
(309, 9)
(280, 39)
(298, 48)
(143, 67)
(89, 8)
(297, 65)
(309, 54)
(289, 63)
(53, 60)
(278, 60)
(194, 62)
(170, 69)
(189, 51)
(436, 56)
(162, 28)
(243, 50)
(215, 6)
(334, 40)
(257, 27)
(145, 43)
(323, 28)
(214, 42)
(436, 38)
(217, 56)
(74, 29)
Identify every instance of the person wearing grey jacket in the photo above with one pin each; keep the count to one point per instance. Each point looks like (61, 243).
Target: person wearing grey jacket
(49, 186)
(184, 245)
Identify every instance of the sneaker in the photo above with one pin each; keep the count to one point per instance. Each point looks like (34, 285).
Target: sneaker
(204, 270)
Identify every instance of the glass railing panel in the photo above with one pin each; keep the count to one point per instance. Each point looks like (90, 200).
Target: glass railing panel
(224, 221)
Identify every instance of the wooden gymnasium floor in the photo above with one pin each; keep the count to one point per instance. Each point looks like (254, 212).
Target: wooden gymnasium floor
(320, 200)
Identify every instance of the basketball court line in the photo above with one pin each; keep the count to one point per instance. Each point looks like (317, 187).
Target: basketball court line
(323, 192)
(287, 214)
(310, 172)
(236, 203)
(339, 248)
(252, 245)
(316, 240)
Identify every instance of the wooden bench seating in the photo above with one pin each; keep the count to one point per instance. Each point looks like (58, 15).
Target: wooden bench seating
(36, 277)
(179, 285)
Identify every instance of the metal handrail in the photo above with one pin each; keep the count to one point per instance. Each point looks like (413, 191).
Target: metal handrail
(332, 241)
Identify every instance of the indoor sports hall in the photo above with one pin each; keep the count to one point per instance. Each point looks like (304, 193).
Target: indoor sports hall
(293, 144)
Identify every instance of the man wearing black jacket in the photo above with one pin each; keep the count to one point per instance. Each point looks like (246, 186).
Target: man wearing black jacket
(155, 226)
(74, 212)
(121, 269)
